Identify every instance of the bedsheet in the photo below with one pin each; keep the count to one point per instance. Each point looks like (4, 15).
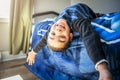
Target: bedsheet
(51, 65)
(108, 27)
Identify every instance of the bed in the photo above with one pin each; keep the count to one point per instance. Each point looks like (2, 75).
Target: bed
(107, 26)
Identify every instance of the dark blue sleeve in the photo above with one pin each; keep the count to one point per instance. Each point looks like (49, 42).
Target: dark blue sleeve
(72, 13)
(90, 39)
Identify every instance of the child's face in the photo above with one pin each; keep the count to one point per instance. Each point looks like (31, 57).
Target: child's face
(59, 34)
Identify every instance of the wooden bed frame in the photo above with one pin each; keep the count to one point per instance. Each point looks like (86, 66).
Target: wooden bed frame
(45, 13)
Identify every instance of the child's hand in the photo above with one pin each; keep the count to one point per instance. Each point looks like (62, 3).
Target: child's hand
(104, 73)
(31, 57)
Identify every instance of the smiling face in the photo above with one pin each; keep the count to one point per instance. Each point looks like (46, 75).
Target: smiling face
(59, 34)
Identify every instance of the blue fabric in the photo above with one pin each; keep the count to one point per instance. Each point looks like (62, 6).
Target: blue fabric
(108, 27)
(78, 11)
(74, 63)
(40, 29)
(51, 65)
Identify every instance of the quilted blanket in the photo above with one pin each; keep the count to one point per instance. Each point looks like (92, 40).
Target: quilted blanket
(54, 66)
(108, 27)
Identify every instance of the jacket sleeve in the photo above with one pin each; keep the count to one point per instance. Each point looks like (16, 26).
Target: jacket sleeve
(90, 39)
(41, 43)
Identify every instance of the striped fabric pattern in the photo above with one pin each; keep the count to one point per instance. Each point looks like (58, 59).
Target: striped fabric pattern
(108, 27)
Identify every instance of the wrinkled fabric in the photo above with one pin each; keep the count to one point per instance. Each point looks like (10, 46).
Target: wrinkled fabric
(108, 27)
(73, 64)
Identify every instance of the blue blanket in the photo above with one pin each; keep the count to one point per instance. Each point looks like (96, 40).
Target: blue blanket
(108, 27)
(73, 63)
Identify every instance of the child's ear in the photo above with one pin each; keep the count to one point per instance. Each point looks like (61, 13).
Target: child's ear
(71, 36)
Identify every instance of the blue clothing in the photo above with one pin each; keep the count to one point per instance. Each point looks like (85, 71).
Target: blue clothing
(79, 18)
(108, 27)
(76, 12)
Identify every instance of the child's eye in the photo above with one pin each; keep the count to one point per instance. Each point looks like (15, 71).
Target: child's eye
(53, 33)
(56, 24)
(62, 38)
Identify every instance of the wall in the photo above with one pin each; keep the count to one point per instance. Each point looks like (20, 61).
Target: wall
(4, 33)
(4, 42)
(4, 39)
(101, 6)
(49, 5)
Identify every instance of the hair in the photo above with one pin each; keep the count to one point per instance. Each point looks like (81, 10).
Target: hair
(58, 49)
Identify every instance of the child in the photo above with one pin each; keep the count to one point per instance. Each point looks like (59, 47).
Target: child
(76, 18)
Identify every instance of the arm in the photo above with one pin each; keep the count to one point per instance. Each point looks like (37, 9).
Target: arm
(41, 43)
(90, 39)
(32, 54)
(104, 73)
(94, 47)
